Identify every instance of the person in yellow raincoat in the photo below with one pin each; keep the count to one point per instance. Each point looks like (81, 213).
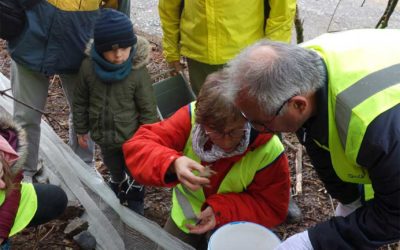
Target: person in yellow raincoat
(209, 33)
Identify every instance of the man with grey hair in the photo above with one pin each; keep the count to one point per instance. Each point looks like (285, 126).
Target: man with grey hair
(341, 94)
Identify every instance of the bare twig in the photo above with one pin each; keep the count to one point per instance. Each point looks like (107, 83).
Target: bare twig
(3, 93)
(289, 144)
(54, 79)
(298, 24)
(299, 167)
(334, 12)
(48, 232)
(362, 4)
(46, 114)
(58, 244)
(36, 246)
(308, 164)
(333, 206)
(383, 21)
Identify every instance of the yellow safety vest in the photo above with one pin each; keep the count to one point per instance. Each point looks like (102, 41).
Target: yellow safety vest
(364, 81)
(187, 204)
(27, 207)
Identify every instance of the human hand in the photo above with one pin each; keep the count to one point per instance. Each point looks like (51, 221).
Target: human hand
(299, 241)
(83, 140)
(206, 222)
(183, 167)
(175, 67)
(346, 209)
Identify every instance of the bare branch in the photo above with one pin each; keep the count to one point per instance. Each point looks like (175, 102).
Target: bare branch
(298, 24)
(334, 12)
(383, 22)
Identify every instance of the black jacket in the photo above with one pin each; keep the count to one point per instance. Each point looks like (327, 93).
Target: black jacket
(377, 222)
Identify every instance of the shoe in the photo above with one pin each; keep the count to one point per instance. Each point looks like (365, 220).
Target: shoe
(27, 179)
(114, 187)
(42, 179)
(136, 206)
(40, 167)
(294, 212)
(133, 193)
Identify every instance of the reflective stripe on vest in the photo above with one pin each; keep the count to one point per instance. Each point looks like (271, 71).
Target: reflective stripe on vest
(364, 81)
(187, 204)
(26, 209)
(360, 92)
(184, 203)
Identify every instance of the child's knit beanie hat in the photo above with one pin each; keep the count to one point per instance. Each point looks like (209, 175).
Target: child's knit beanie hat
(113, 30)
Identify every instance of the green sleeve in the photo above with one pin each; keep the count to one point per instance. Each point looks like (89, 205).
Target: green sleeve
(144, 98)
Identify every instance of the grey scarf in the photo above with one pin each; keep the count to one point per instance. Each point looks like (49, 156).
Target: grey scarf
(199, 139)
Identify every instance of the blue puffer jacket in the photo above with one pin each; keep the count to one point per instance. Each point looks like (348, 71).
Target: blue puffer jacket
(55, 35)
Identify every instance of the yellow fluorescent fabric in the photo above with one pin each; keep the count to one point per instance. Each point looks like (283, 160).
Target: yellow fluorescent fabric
(352, 58)
(26, 209)
(75, 5)
(214, 31)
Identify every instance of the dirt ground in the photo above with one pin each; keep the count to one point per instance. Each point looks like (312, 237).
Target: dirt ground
(315, 203)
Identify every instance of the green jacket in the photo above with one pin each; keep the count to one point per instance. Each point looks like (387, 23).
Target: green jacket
(112, 112)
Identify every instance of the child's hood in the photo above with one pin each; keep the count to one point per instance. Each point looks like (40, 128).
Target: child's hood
(16, 136)
(142, 54)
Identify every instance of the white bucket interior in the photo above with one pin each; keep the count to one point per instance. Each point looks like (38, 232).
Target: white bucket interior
(243, 235)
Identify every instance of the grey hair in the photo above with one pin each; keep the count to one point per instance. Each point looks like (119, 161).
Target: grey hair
(272, 78)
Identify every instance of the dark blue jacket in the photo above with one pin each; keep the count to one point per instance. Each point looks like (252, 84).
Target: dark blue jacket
(377, 222)
(55, 35)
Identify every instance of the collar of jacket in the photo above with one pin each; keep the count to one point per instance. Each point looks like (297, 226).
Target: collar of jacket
(7, 125)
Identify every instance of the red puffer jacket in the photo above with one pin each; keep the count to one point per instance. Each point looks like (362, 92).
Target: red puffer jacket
(154, 147)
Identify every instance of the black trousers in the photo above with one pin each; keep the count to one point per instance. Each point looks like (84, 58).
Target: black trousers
(52, 202)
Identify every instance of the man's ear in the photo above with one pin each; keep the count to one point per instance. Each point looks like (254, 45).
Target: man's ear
(299, 103)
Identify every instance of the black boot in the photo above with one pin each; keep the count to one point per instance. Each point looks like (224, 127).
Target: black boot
(114, 187)
(119, 189)
(133, 193)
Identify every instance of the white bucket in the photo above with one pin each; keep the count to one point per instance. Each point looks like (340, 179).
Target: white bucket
(243, 235)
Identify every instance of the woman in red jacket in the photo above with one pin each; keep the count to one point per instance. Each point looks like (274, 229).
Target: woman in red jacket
(221, 169)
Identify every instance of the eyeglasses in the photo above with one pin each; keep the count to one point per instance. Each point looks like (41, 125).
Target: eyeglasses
(234, 134)
(264, 127)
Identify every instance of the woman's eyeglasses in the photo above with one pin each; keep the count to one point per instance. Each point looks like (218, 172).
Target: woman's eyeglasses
(234, 134)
